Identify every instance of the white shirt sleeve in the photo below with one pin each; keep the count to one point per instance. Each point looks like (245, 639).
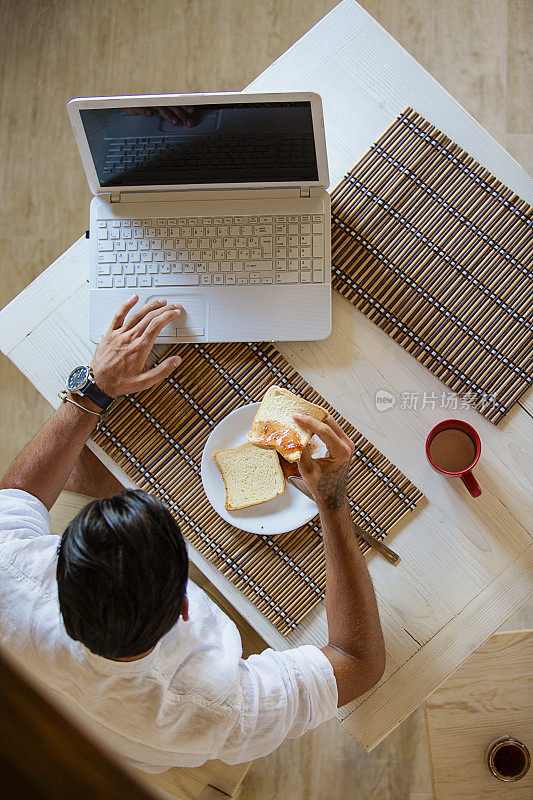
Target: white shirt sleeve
(284, 694)
(22, 516)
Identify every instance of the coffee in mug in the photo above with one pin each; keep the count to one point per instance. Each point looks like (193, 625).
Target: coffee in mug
(453, 448)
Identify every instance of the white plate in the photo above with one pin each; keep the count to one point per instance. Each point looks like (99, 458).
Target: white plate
(285, 513)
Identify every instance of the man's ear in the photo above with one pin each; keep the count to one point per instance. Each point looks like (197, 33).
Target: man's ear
(185, 609)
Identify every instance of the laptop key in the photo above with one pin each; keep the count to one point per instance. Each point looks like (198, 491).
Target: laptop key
(145, 280)
(131, 281)
(287, 277)
(256, 266)
(104, 282)
(119, 281)
(318, 246)
(176, 280)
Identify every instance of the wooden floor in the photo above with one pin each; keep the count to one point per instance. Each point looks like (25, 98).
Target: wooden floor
(480, 50)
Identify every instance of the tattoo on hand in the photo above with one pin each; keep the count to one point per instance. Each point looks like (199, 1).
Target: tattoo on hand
(332, 487)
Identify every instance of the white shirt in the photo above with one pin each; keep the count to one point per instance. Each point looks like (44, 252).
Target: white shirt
(193, 698)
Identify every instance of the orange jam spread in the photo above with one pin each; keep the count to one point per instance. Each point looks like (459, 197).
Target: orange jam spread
(275, 435)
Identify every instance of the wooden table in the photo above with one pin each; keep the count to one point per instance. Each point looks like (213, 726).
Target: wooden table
(490, 695)
(465, 563)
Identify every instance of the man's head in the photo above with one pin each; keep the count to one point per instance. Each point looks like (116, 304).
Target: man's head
(121, 572)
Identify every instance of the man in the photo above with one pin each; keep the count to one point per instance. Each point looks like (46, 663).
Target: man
(109, 622)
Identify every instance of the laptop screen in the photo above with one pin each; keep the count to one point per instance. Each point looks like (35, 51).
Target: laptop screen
(202, 144)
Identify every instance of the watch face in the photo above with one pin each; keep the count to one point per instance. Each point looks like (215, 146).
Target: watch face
(77, 378)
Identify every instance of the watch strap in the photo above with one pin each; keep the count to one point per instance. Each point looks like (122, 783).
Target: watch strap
(95, 394)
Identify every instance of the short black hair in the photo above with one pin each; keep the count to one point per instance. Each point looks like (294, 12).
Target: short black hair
(122, 573)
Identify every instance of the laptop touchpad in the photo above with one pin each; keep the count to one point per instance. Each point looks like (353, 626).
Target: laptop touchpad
(191, 321)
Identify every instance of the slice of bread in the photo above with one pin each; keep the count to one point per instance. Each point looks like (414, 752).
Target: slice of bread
(274, 427)
(251, 475)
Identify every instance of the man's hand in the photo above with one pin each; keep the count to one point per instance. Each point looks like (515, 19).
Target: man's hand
(326, 477)
(119, 363)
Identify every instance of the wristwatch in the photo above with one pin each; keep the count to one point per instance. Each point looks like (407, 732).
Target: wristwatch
(81, 381)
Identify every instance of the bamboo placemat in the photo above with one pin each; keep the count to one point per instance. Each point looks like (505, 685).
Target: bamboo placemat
(438, 253)
(158, 436)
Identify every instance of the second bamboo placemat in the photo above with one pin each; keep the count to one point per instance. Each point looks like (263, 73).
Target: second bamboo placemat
(157, 438)
(439, 254)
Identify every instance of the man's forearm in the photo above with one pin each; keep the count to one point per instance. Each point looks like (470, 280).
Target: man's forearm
(44, 465)
(119, 368)
(353, 618)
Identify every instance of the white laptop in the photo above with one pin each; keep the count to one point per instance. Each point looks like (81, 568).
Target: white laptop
(216, 201)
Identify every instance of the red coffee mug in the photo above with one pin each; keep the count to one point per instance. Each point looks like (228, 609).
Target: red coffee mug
(466, 473)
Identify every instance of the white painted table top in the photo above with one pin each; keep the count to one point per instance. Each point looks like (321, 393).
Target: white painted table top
(466, 564)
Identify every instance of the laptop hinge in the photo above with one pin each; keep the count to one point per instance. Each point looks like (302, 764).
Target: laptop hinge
(305, 191)
(114, 197)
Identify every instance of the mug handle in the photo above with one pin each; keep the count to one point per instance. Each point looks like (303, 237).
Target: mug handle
(471, 484)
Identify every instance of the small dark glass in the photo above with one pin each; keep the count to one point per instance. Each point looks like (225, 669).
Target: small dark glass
(508, 759)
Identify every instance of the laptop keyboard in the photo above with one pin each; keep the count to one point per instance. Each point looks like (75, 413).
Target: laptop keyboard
(218, 251)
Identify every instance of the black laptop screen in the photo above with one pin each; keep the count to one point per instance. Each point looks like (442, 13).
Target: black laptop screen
(202, 144)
